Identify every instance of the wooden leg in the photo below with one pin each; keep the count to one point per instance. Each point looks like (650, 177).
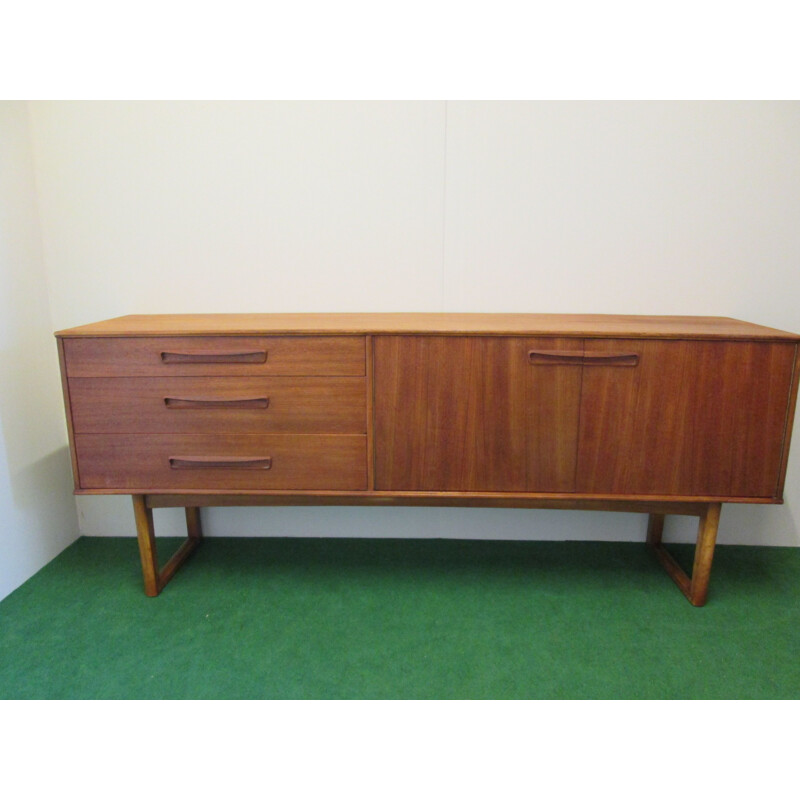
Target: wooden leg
(193, 527)
(704, 554)
(695, 587)
(154, 579)
(655, 529)
(147, 544)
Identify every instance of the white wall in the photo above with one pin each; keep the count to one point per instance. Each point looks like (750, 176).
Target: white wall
(36, 508)
(640, 207)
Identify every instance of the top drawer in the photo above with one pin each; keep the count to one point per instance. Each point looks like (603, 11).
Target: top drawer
(88, 357)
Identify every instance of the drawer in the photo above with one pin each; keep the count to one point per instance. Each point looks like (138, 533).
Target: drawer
(97, 357)
(219, 405)
(140, 464)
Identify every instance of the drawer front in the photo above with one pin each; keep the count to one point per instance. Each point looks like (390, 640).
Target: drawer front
(214, 355)
(220, 405)
(131, 463)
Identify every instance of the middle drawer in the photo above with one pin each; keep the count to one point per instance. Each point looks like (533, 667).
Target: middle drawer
(218, 404)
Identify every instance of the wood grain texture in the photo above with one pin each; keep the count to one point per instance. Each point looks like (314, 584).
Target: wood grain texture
(148, 550)
(655, 529)
(693, 418)
(565, 500)
(194, 527)
(579, 325)
(295, 405)
(370, 391)
(610, 431)
(448, 414)
(286, 355)
(552, 411)
(134, 463)
(432, 499)
(684, 418)
(704, 554)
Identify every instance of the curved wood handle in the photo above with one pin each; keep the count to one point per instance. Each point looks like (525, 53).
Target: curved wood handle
(208, 402)
(555, 357)
(582, 358)
(610, 359)
(215, 357)
(216, 462)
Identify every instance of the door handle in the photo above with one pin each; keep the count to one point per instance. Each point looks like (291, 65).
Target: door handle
(217, 462)
(209, 402)
(582, 358)
(215, 357)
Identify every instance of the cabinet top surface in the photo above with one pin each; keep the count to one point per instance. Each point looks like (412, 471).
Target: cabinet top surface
(590, 325)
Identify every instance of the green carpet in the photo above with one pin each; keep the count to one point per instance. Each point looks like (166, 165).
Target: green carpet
(355, 618)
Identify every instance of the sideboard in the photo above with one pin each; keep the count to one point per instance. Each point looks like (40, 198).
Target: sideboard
(661, 415)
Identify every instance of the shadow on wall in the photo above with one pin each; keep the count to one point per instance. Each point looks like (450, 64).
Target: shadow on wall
(762, 525)
(37, 467)
(43, 486)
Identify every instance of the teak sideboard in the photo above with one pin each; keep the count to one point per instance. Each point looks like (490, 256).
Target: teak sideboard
(662, 415)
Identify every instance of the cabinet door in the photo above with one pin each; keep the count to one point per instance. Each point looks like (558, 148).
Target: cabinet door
(449, 413)
(481, 414)
(690, 418)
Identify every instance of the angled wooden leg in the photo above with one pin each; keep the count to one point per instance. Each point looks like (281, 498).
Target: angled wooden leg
(154, 579)
(147, 544)
(655, 529)
(193, 527)
(695, 587)
(704, 554)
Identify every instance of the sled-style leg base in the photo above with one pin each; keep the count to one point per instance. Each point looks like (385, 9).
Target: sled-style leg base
(695, 587)
(156, 579)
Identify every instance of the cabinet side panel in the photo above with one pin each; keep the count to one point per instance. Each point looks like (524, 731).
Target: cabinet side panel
(62, 361)
(764, 377)
(449, 414)
(370, 413)
(790, 415)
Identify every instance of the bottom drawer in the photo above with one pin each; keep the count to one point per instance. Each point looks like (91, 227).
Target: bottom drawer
(142, 463)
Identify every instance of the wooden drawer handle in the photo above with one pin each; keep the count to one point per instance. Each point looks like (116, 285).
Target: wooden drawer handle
(217, 357)
(214, 462)
(554, 357)
(610, 359)
(203, 402)
(582, 358)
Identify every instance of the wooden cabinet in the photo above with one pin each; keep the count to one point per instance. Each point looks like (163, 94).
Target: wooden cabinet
(662, 415)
